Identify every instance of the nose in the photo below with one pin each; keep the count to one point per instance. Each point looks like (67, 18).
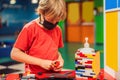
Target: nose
(53, 20)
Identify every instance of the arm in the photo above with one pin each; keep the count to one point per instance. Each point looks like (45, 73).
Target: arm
(60, 57)
(19, 55)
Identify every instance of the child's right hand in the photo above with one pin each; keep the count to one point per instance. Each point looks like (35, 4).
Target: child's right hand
(56, 66)
(46, 64)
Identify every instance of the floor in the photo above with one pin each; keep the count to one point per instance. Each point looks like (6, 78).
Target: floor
(102, 76)
(67, 52)
(15, 68)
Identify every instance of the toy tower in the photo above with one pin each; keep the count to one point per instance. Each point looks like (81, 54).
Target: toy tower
(87, 61)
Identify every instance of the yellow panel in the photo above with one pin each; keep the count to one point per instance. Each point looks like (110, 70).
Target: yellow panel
(73, 13)
(96, 63)
(112, 40)
(87, 11)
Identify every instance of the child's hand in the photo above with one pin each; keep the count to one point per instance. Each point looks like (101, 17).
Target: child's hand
(46, 64)
(57, 65)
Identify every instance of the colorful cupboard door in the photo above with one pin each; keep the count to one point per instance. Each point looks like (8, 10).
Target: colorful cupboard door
(112, 37)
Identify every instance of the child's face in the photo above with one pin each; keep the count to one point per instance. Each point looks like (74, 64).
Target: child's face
(52, 20)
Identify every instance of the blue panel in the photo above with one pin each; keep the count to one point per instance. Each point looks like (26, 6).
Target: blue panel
(110, 4)
(119, 3)
(5, 52)
(5, 49)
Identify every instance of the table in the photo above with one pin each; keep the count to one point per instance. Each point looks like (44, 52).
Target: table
(63, 75)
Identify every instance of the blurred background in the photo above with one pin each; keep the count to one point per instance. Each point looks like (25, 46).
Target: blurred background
(84, 19)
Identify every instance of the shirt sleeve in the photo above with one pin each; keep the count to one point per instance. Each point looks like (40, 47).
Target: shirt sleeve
(23, 40)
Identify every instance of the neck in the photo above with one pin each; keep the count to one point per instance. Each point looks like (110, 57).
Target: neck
(41, 19)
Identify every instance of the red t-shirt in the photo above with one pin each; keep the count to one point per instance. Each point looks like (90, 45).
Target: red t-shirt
(39, 42)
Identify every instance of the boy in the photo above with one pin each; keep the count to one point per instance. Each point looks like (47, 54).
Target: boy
(38, 42)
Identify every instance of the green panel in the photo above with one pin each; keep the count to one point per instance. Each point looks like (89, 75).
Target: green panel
(68, 54)
(98, 3)
(62, 26)
(99, 31)
(5, 60)
(101, 59)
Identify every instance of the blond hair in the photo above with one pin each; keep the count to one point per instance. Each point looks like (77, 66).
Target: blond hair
(53, 8)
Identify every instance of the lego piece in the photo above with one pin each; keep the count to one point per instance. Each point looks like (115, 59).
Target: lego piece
(56, 64)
